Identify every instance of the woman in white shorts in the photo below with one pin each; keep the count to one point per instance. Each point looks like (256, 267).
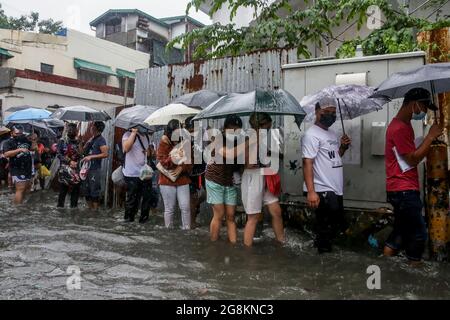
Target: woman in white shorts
(254, 190)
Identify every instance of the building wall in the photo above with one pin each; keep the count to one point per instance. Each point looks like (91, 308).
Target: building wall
(177, 30)
(158, 29)
(30, 50)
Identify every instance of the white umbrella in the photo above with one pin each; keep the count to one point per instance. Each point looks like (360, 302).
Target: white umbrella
(178, 111)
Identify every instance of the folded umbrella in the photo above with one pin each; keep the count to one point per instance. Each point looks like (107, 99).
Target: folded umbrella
(134, 116)
(80, 113)
(177, 111)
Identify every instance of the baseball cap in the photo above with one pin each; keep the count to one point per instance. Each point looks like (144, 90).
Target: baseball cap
(326, 102)
(420, 95)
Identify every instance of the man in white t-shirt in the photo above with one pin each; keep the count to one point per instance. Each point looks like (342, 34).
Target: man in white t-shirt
(137, 149)
(323, 173)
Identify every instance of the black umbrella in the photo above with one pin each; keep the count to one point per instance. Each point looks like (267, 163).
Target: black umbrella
(80, 113)
(202, 98)
(39, 126)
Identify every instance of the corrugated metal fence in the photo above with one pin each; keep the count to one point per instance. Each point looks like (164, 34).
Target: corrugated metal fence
(262, 69)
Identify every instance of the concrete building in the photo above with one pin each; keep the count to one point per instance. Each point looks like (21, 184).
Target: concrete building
(140, 31)
(246, 16)
(44, 70)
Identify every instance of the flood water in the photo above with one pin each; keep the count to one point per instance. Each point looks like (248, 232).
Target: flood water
(118, 260)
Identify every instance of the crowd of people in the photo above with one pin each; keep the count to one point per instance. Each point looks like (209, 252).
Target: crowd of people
(185, 185)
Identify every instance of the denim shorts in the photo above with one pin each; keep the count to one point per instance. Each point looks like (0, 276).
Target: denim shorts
(218, 194)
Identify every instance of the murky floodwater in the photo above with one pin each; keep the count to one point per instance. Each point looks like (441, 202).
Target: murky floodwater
(131, 261)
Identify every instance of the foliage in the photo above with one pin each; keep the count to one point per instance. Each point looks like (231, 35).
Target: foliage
(29, 22)
(279, 25)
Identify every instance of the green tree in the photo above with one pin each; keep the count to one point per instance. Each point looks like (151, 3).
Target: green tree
(29, 22)
(279, 25)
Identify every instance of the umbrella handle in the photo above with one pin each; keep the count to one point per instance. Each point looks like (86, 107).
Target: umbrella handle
(340, 113)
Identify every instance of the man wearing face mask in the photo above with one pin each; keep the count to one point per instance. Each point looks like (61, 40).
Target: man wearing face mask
(323, 173)
(402, 182)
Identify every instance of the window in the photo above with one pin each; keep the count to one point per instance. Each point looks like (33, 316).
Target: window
(46, 68)
(92, 77)
(113, 26)
(130, 85)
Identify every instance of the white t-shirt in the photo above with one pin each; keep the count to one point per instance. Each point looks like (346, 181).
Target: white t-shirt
(135, 158)
(323, 146)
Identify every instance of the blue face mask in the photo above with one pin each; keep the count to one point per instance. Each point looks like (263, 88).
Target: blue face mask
(419, 116)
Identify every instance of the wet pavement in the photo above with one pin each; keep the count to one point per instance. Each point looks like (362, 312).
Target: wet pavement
(117, 260)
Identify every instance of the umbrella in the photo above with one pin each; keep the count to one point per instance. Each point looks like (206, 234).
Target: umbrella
(134, 116)
(54, 123)
(201, 99)
(39, 126)
(432, 77)
(176, 111)
(28, 114)
(80, 113)
(352, 100)
(19, 108)
(277, 102)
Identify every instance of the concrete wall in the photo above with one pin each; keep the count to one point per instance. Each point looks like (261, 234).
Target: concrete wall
(364, 172)
(30, 50)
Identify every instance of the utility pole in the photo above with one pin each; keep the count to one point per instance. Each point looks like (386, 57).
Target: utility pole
(438, 43)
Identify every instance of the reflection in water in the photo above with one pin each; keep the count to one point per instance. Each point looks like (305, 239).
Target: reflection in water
(120, 260)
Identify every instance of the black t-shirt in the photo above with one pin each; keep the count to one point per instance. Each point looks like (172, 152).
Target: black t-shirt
(21, 164)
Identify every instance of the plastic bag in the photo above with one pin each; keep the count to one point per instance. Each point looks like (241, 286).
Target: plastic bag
(44, 172)
(117, 177)
(273, 183)
(146, 173)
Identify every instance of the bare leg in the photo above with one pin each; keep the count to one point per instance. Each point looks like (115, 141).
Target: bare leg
(250, 227)
(389, 252)
(277, 221)
(216, 222)
(21, 188)
(231, 224)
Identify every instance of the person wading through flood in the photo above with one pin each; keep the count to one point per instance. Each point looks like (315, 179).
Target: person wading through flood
(177, 190)
(323, 174)
(197, 176)
(69, 155)
(402, 182)
(95, 150)
(221, 192)
(137, 149)
(18, 149)
(255, 192)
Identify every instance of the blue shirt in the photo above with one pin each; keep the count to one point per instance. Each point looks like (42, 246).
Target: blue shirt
(94, 149)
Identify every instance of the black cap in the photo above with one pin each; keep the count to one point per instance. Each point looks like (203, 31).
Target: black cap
(420, 95)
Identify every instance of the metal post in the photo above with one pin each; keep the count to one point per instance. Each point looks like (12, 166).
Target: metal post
(437, 160)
